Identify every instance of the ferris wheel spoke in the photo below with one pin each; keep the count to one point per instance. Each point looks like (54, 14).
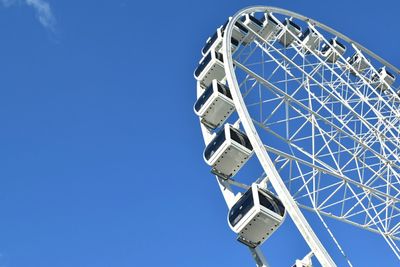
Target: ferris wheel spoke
(339, 77)
(360, 76)
(323, 123)
(350, 135)
(358, 116)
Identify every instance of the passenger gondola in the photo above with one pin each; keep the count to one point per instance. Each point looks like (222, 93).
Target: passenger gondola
(254, 24)
(228, 151)
(383, 79)
(255, 216)
(270, 27)
(210, 67)
(292, 31)
(311, 40)
(215, 105)
(333, 51)
(215, 42)
(239, 32)
(359, 62)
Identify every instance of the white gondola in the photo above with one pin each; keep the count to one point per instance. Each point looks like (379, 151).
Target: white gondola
(215, 105)
(359, 62)
(270, 27)
(290, 31)
(310, 40)
(255, 216)
(215, 42)
(239, 32)
(378, 80)
(254, 24)
(332, 53)
(210, 67)
(228, 152)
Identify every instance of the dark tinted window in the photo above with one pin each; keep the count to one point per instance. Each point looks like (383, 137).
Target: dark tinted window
(256, 21)
(271, 19)
(239, 210)
(353, 59)
(214, 144)
(219, 56)
(241, 27)
(271, 200)
(293, 24)
(326, 47)
(203, 63)
(237, 24)
(340, 44)
(234, 41)
(381, 71)
(390, 74)
(223, 89)
(280, 207)
(305, 34)
(240, 138)
(210, 42)
(375, 77)
(203, 98)
(266, 202)
(213, 39)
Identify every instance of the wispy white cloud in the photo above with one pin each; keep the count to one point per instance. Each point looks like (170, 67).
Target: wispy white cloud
(43, 12)
(42, 9)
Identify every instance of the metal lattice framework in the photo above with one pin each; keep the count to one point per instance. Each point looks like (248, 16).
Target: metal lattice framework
(327, 137)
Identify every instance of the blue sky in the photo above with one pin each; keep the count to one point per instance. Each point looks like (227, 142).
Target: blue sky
(101, 154)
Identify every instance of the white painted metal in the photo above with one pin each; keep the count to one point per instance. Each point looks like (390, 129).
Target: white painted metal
(310, 40)
(266, 162)
(270, 27)
(215, 105)
(255, 223)
(239, 32)
(227, 158)
(254, 24)
(333, 50)
(210, 68)
(215, 42)
(339, 134)
(359, 62)
(288, 33)
(382, 79)
(305, 262)
(258, 257)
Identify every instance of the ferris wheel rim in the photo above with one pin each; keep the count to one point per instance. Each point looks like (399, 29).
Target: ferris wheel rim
(250, 123)
(246, 120)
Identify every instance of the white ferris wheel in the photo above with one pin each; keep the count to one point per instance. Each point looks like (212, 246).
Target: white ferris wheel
(315, 114)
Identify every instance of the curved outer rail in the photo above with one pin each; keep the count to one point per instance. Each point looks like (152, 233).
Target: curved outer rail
(294, 211)
(276, 181)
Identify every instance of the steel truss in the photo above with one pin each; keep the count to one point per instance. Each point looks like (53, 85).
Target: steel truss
(327, 139)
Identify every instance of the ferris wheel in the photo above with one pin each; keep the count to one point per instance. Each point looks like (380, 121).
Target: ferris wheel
(297, 116)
